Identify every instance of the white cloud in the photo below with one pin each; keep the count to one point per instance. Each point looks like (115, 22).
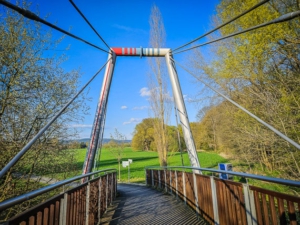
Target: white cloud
(145, 92)
(132, 120)
(80, 125)
(140, 107)
(124, 107)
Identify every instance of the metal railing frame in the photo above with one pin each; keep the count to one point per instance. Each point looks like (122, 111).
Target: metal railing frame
(19, 199)
(246, 175)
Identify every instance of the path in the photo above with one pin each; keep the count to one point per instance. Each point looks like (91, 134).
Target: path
(143, 205)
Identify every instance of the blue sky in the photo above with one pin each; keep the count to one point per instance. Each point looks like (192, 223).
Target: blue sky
(125, 24)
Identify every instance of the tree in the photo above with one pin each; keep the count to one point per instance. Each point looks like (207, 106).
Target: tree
(159, 98)
(33, 88)
(260, 71)
(143, 138)
(116, 146)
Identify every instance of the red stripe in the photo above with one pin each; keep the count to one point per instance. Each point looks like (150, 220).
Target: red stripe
(118, 51)
(97, 121)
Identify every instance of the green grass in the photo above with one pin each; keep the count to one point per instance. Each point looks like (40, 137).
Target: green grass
(141, 159)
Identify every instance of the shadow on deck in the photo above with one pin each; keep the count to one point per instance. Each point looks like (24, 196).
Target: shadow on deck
(142, 205)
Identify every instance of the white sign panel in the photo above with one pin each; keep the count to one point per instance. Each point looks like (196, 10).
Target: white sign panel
(125, 163)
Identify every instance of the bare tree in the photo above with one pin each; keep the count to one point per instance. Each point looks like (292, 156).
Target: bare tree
(116, 146)
(159, 98)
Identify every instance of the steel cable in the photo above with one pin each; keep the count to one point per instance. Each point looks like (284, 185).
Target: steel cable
(41, 131)
(242, 108)
(30, 15)
(86, 20)
(283, 18)
(224, 24)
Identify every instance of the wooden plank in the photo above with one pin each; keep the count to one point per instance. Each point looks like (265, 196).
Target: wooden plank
(221, 202)
(276, 194)
(31, 220)
(292, 213)
(57, 207)
(258, 208)
(39, 218)
(51, 215)
(273, 212)
(281, 211)
(265, 209)
(46, 216)
(242, 206)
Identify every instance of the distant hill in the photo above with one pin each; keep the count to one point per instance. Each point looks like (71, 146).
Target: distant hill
(104, 141)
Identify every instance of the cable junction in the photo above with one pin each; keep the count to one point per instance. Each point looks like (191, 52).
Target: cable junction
(32, 16)
(86, 20)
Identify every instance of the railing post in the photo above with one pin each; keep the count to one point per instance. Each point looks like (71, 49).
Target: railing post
(215, 200)
(99, 199)
(106, 194)
(116, 184)
(87, 203)
(176, 183)
(146, 173)
(152, 178)
(112, 188)
(159, 182)
(249, 205)
(170, 182)
(166, 187)
(196, 193)
(184, 189)
(63, 210)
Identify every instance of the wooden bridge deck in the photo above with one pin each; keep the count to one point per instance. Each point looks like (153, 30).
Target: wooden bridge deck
(142, 205)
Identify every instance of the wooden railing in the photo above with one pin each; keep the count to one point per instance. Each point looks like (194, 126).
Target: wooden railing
(84, 204)
(226, 202)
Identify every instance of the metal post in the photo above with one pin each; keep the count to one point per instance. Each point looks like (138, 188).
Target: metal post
(159, 183)
(184, 189)
(176, 183)
(87, 204)
(112, 188)
(152, 178)
(215, 200)
(170, 181)
(188, 137)
(166, 187)
(128, 172)
(99, 199)
(249, 205)
(196, 192)
(106, 194)
(146, 180)
(99, 120)
(63, 210)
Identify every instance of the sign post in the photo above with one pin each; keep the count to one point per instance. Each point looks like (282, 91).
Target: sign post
(125, 164)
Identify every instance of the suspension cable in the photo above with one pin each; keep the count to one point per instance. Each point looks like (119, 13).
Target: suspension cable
(242, 108)
(283, 18)
(86, 20)
(224, 24)
(41, 131)
(32, 16)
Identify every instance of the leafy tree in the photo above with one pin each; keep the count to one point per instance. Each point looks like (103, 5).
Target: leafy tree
(143, 136)
(260, 71)
(33, 88)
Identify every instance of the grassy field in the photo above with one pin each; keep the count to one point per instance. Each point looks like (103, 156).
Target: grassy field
(142, 159)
